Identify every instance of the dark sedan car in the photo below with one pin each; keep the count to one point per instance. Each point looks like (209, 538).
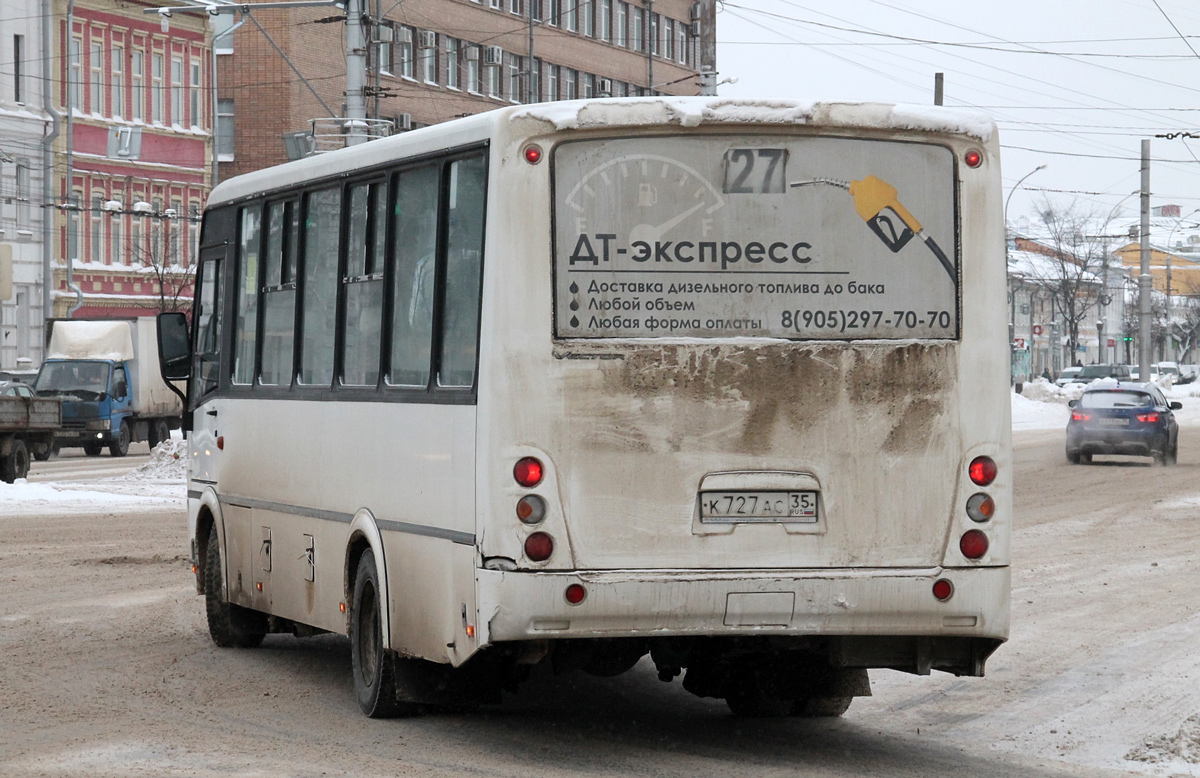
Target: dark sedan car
(1123, 418)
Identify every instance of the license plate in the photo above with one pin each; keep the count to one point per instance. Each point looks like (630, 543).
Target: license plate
(749, 507)
(1113, 422)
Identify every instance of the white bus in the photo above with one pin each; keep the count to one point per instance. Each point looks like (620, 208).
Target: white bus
(720, 382)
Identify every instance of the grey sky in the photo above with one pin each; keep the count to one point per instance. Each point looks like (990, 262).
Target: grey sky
(1082, 115)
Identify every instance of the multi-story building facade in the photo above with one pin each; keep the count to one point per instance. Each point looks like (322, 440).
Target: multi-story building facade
(131, 164)
(434, 60)
(24, 128)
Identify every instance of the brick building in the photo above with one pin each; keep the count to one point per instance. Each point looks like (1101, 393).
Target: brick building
(434, 60)
(132, 160)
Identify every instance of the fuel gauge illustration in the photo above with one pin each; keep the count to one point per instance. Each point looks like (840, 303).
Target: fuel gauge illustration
(877, 203)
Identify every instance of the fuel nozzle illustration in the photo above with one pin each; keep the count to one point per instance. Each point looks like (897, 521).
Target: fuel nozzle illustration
(875, 200)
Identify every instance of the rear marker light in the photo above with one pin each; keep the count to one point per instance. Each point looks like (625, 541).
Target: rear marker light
(342, 607)
(1080, 417)
(575, 594)
(973, 544)
(531, 509)
(1150, 418)
(981, 507)
(258, 585)
(533, 153)
(528, 472)
(943, 589)
(982, 470)
(973, 158)
(539, 546)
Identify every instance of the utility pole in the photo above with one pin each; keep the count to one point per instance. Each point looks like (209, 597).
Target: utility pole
(356, 74)
(530, 97)
(704, 27)
(1144, 278)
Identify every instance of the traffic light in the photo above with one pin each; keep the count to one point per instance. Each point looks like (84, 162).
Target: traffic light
(1127, 338)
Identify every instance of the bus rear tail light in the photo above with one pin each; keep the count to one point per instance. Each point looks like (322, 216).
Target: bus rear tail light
(981, 507)
(533, 153)
(943, 589)
(528, 472)
(531, 509)
(1149, 418)
(973, 544)
(973, 158)
(575, 594)
(982, 471)
(539, 546)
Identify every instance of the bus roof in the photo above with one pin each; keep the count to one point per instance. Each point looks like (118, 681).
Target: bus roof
(611, 112)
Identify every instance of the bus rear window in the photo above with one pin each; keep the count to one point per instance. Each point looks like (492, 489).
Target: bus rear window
(761, 236)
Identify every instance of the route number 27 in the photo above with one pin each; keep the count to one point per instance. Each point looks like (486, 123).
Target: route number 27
(755, 171)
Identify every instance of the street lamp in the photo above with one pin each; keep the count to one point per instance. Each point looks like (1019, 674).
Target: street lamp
(1017, 186)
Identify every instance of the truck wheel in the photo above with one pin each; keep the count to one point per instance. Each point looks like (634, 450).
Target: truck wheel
(120, 444)
(821, 707)
(16, 464)
(158, 432)
(371, 664)
(92, 449)
(44, 453)
(230, 626)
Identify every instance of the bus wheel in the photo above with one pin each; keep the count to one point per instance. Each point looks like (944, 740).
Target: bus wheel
(372, 665)
(230, 626)
(120, 444)
(748, 695)
(821, 707)
(16, 464)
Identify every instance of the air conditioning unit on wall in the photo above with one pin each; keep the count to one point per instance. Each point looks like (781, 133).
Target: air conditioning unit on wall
(493, 55)
(604, 86)
(403, 121)
(428, 39)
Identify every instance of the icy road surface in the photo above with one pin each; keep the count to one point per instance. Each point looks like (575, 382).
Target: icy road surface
(106, 668)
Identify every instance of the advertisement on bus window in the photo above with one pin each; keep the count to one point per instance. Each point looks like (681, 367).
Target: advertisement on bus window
(762, 236)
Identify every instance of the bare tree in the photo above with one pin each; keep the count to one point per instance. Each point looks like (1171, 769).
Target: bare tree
(158, 253)
(1185, 326)
(1077, 247)
(1132, 327)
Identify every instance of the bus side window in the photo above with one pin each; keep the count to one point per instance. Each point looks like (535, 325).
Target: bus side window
(279, 293)
(322, 223)
(363, 284)
(208, 322)
(464, 254)
(246, 323)
(416, 221)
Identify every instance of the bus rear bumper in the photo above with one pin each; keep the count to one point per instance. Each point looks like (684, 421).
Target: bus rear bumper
(516, 606)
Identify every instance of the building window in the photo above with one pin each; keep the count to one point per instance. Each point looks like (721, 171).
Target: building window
(175, 225)
(568, 79)
(551, 82)
(118, 82)
(495, 4)
(154, 252)
(75, 79)
(638, 41)
(535, 81)
(222, 39)
(571, 15)
(177, 91)
(554, 12)
(604, 14)
(535, 10)
(194, 96)
(514, 78)
(22, 195)
(18, 64)
(73, 226)
(473, 69)
(514, 7)
(653, 33)
(492, 76)
(588, 21)
(137, 84)
(405, 50)
(668, 39)
(621, 38)
(225, 146)
(452, 77)
(681, 40)
(156, 88)
(115, 252)
(383, 49)
(430, 59)
(96, 86)
(96, 253)
(589, 86)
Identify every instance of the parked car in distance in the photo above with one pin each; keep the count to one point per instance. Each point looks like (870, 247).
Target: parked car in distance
(1134, 419)
(1067, 375)
(1090, 373)
(15, 389)
(1188, 373)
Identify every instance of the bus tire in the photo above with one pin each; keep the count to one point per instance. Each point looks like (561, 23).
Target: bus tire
(16, 464)
(821, 707)
(119, 446)
(372, 665)
(229, 626)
